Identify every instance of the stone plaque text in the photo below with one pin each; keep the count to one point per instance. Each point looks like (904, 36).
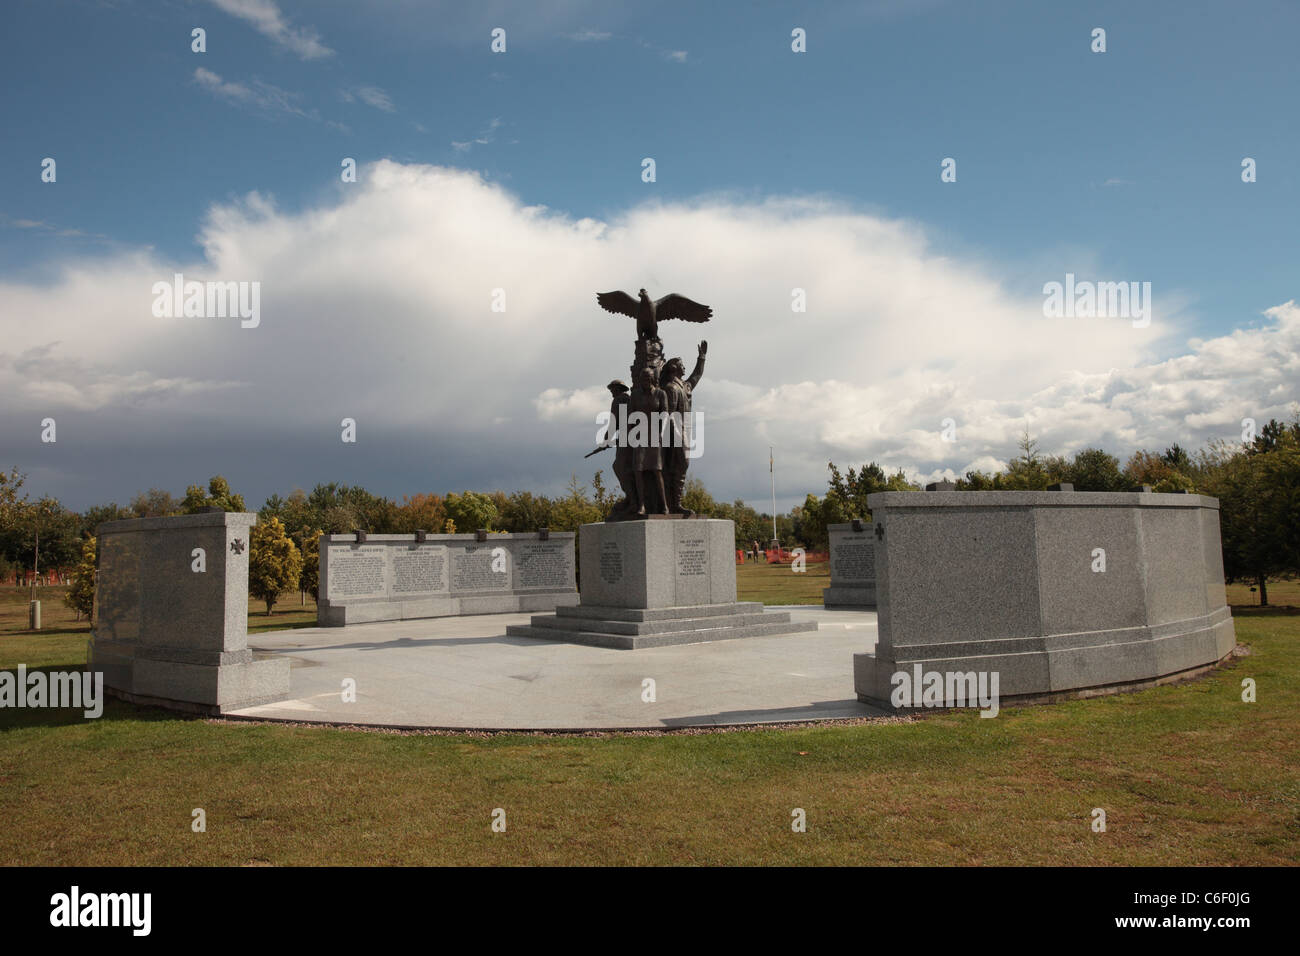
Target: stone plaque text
(421, 570)
(611, 562)
(544, 564)
(471, 569)
(692, 557)
(853, 559)
(358, 572)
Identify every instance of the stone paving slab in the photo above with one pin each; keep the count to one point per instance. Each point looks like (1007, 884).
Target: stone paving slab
(464, 672)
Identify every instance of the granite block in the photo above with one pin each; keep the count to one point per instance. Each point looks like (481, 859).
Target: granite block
(1010, 581)
(170, 629)
(658, 564)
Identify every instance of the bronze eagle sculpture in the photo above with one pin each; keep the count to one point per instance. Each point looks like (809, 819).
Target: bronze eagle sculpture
(649, 313)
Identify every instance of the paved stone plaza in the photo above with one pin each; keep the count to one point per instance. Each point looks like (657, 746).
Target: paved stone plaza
(464, 672)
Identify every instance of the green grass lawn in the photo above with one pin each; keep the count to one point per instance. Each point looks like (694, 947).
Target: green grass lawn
(1187, 774)
(780, 584)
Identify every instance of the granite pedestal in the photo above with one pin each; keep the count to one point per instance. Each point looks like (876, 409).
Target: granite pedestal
(170, 630)
(658, 582)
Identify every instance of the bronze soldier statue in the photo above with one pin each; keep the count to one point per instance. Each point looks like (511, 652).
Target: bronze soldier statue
(678, 390)
(647, 410)
(615, 435)
(653, 453)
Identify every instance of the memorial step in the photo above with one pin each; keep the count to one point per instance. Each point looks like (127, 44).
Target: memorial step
(765, 628)
(610, 613)
(575, 623)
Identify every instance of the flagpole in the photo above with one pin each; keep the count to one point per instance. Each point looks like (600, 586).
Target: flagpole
(771, 467)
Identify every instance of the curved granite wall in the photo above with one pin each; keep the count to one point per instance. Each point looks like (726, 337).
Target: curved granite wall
(1055, 591)
(399, 577)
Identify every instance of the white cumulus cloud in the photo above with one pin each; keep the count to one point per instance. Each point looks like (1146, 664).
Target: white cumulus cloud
(376, 304)
(265, 17)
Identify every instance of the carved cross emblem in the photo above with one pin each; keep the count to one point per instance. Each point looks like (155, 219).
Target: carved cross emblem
(237, 546)
(880, 531)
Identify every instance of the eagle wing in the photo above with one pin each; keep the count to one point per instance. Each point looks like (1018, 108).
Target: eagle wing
(674, 306)
(619, 302)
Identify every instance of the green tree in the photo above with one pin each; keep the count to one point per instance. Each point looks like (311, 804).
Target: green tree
(1177, 459)
(470, 510)
(1058, 469)
(785, 530)
(296, 515)
(81, 595)
(697, 498)
(1272, 435)
(12, 504)
(274, 562)
(604, 500)
(218, 496)
(154, 503)
(420, 512)
(817, 515)
(339, 509)
(96, 515)
(10, 500)
(1280, 478)
(44, 535)
(750, 525)
(525, 512)
(851, 490)
(1146, 468)
(898, 482)
(1259, 509)
(1094, 470)
(1027, 471)
(979, 481)
(309, 576)
(575, 509)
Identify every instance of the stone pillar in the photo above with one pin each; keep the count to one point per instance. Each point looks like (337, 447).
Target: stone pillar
(853, 566)
(171, 614)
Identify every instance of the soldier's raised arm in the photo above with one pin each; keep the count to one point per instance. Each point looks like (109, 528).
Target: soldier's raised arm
(699, 366)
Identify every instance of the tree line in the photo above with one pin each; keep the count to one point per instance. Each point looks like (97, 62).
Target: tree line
(43, 535)
(1257, 483)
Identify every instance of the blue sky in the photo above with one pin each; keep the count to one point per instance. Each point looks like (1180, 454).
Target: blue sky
(1123, 165)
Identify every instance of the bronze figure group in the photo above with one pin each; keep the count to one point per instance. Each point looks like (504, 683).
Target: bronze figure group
(651, 424)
